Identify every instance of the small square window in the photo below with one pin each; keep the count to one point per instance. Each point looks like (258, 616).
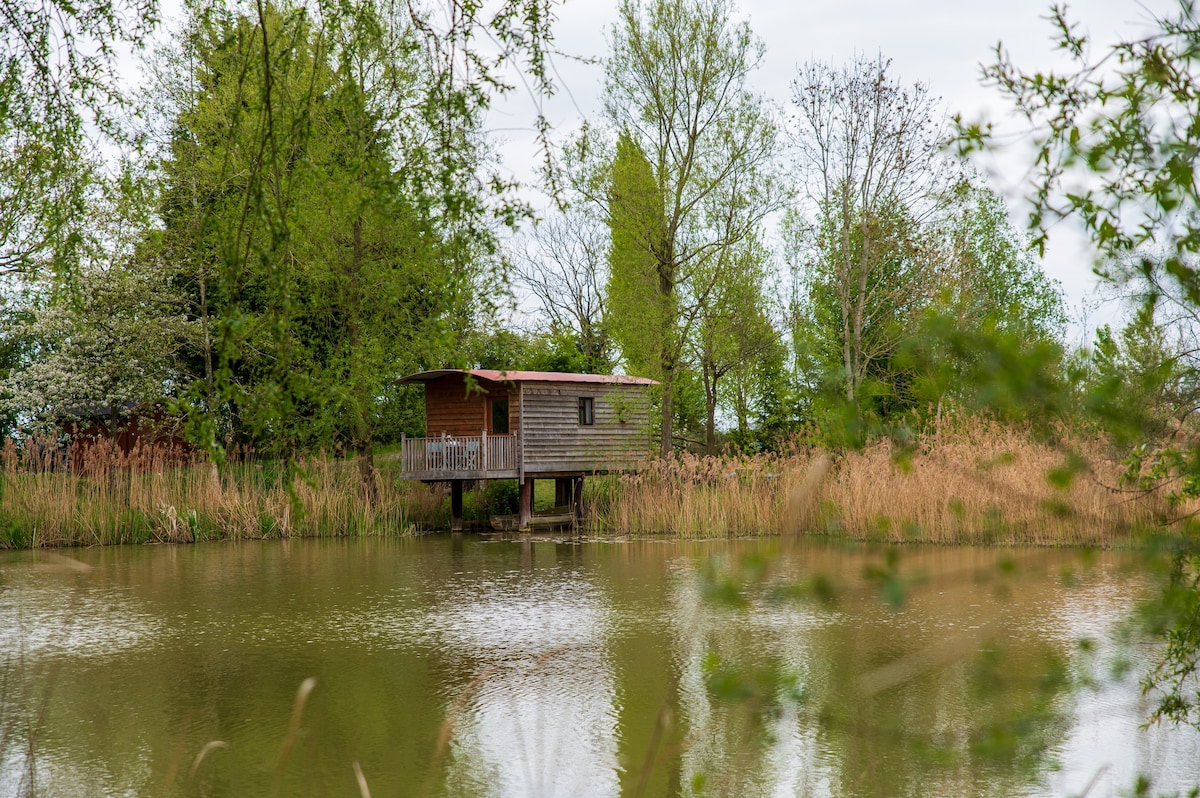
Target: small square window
(587, 411)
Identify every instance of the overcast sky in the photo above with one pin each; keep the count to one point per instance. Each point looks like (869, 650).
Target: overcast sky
(938, 42)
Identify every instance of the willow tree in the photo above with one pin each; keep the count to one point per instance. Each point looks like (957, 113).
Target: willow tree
(59, 92)
(325, 184)
(693, 173)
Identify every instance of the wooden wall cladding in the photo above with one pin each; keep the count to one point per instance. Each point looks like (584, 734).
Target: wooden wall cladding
(451, 408)
(555, 441)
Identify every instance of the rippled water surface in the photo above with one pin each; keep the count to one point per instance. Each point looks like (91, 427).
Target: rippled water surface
(469, 666)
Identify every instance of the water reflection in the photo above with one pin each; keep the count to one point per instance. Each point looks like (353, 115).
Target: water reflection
(477, 667)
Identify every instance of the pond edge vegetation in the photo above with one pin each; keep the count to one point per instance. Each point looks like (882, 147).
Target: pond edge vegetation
(974, 481)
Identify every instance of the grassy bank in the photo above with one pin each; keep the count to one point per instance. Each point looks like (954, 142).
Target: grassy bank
(982, 483)
(153, 495)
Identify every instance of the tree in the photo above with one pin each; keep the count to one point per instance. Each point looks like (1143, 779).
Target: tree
(900, 279)
(733, 329)
(994, 275)
(110, 347)
(992, 289)
(565, 272)
(327, 186)
(58, 89)
(314, 261)
(692, 174)
(1147, 376)
(642, 298)
(870, 151)
(109, 343)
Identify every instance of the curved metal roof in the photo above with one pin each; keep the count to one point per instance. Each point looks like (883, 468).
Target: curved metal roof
(496, 375)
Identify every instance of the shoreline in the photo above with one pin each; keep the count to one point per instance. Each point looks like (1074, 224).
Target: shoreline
(984, 485)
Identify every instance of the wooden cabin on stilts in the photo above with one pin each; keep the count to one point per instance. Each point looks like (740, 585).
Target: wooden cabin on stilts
(483, 424)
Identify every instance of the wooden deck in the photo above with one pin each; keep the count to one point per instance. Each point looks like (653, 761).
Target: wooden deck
(467, 457)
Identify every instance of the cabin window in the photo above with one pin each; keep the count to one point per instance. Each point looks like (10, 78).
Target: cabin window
(587, 411)
(500, 416)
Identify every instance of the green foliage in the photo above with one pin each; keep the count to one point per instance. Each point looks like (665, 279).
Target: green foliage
(1113, 154)
(58, 90)
(551, 350)
(862, 259)
(1117, 139)
(643, 313)
(320, 258)
(989, 367)
(1138, 382)
(733, 331)
(995, 279)
(895, 234)
(691, 178)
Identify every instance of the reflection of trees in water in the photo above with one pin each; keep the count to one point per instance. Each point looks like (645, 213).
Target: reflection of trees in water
(962, 690)
(742, 673)
(552, 666)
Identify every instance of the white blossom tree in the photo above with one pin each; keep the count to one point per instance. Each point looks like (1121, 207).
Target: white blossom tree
(106, 342)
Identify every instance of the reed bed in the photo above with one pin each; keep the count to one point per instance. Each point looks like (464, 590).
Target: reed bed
(98, 495)
(982, 483)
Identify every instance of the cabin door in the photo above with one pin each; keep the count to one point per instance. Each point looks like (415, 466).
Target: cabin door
(498, 416)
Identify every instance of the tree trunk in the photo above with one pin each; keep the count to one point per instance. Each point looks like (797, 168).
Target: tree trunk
(362, 437)
(710, 426)
(668, 410)
(844, 297)
(860, 305)
(666, 290)
(710, 411)
(743, 413)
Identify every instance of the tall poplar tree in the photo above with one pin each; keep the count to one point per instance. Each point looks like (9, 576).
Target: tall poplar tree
(692, 176)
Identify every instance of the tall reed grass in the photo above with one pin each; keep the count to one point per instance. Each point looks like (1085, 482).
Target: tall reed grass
(981, 483)
(99, 495)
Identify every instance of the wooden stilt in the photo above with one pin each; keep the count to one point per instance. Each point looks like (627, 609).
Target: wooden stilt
(525, 504)
(562, 491)
(577, 498)
(456, 505)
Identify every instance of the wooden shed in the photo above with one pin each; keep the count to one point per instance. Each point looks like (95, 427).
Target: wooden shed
(525, 425)
(125, 429)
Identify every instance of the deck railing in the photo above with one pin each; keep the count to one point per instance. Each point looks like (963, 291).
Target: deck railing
(454, 453)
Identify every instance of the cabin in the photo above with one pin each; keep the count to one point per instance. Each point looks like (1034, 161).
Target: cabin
(526, 425)
(123, 430)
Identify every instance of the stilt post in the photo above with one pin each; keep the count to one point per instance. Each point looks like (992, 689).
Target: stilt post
(577, 498)
(525, 503)
(456, 505)
(562, 491)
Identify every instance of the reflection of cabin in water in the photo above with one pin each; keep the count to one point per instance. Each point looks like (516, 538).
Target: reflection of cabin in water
(526, 425)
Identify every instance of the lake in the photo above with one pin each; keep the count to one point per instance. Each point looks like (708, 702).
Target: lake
(479, 666)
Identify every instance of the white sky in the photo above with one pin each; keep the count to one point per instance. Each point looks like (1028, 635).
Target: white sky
(938, 42)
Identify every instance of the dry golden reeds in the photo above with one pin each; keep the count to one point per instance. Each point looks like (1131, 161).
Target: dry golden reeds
(979, 483)
(98, 494)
